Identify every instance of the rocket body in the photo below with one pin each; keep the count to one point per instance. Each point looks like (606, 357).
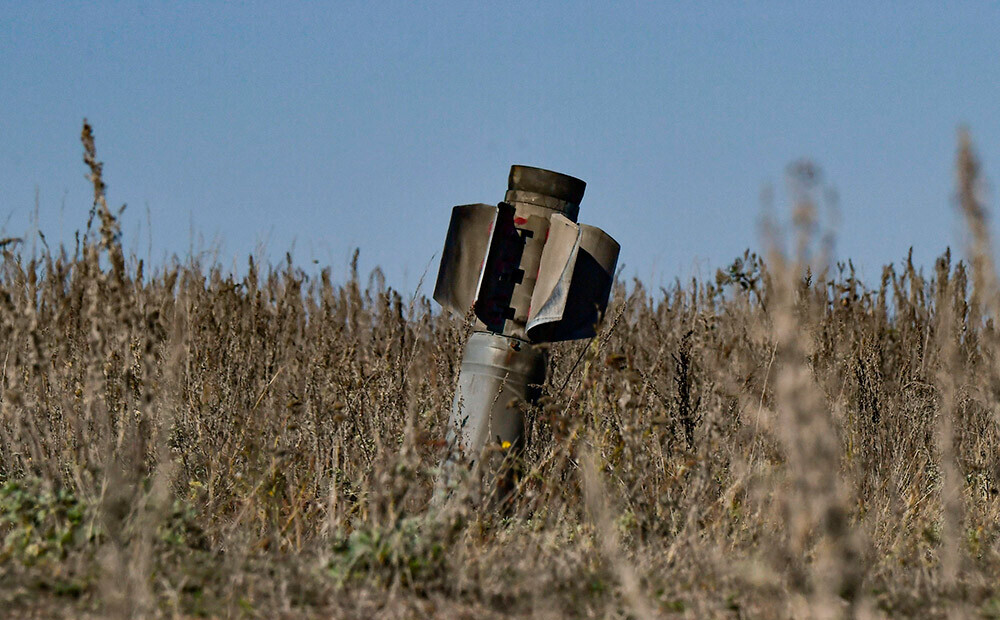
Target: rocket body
(499, 375)
(531, 275)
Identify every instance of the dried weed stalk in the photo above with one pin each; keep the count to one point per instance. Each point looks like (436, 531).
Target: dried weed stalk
(784, 441)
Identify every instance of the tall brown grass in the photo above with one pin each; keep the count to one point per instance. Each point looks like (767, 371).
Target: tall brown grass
(784, 441)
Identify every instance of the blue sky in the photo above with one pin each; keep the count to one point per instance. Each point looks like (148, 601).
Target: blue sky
(318, 128)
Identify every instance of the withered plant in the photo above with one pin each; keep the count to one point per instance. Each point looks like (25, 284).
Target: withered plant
(786, 441)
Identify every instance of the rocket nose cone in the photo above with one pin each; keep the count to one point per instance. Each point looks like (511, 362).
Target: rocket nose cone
(546, 182)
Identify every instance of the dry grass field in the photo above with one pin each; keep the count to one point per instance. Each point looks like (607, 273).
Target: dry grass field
(782, 442)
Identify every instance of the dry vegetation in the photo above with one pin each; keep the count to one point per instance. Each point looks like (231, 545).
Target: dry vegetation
(782, 442)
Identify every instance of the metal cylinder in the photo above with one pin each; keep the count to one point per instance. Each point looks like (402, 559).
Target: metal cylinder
(530, 274)
(499, 375)
(544, 188)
